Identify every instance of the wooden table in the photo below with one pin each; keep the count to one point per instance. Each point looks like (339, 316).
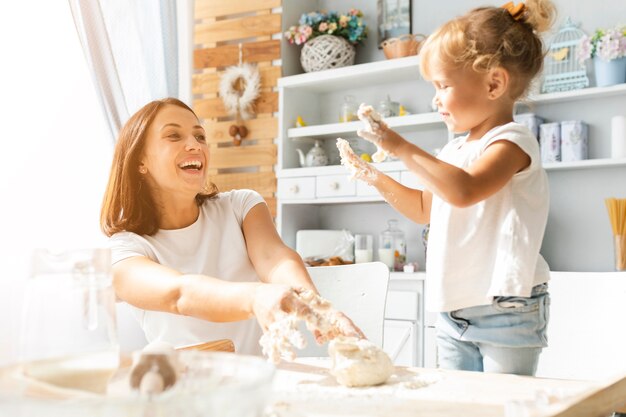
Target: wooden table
(306, 389)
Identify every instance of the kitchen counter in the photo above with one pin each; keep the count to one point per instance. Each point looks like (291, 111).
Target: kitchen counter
(306, 389)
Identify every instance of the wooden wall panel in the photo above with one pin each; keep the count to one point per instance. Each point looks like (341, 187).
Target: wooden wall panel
(245, 27)
(262, 128)
(216, 8)
(223, 56)
(209, 82)
(213, 108)
(227, 33)
(243, 156)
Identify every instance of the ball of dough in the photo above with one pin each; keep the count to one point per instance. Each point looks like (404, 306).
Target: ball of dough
(358, 362)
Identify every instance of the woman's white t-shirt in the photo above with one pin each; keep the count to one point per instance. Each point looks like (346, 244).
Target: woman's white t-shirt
(215, 246)
(492, 247)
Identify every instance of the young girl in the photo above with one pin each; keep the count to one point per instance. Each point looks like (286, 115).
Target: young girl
(485, 195)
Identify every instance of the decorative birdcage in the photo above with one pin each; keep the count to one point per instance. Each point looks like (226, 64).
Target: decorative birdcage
(562, 69)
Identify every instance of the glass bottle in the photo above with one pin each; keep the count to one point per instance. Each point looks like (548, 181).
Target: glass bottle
(388, 108)
(348, 109)
(392, 247)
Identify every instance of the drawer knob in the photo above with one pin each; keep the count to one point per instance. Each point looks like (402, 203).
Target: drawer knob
(294, 189)
(334, 185)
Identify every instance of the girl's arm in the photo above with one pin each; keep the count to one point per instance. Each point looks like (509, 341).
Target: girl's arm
(463, 187)
(460, 187)
(413, 204)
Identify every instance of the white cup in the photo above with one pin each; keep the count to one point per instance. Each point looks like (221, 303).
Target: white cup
(363, 248)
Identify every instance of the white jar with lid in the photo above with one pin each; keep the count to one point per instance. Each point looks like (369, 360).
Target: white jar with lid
(392, 247)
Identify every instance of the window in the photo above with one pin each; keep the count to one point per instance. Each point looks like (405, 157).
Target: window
(55, 147)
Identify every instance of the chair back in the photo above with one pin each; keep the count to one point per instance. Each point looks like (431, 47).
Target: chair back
(359, 291)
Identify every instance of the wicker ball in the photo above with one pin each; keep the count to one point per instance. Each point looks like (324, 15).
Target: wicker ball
(326, 52)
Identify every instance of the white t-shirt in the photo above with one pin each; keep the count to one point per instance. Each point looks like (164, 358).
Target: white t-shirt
(492, 247)
(215, 246)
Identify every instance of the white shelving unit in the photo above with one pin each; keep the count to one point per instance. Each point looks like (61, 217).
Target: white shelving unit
(348, 78)
(407, 69)
(411, 122)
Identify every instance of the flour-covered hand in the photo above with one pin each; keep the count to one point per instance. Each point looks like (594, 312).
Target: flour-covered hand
(278, 308)
(375, 128)
(340, 325)
(358, 167)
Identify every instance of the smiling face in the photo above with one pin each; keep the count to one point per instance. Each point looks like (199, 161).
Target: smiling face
(176, 154)
(462, 98)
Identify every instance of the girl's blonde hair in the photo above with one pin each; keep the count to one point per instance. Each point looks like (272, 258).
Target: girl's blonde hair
(128, 204)
(490, 37)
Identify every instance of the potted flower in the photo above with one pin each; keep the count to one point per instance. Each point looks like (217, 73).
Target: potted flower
(328, 38)
(608, 50)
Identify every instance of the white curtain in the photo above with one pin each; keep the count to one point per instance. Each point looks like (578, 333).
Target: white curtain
(132, 48)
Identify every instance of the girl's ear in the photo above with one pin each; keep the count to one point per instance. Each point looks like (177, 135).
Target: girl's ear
(498, 82)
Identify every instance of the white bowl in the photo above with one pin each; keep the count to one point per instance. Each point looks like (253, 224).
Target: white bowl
(211, 384)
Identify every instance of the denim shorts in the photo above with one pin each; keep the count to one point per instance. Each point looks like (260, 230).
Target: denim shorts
(505, 324)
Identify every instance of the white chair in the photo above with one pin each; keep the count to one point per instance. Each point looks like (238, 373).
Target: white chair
(359, 291)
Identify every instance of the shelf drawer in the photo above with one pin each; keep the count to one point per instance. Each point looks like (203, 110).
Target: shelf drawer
(409, 179)
(296, 188)
(402, 305)
(362, 189)
(334, 186)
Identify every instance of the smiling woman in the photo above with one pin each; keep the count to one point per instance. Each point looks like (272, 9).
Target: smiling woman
(145, 168)
(195, 264)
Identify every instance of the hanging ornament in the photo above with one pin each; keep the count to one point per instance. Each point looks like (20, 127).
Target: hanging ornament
(237, 133)
(239, 87)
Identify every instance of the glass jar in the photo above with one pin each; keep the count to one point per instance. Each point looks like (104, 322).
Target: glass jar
(388, 108)
(392, 247)
(69, 334)
(348, 109)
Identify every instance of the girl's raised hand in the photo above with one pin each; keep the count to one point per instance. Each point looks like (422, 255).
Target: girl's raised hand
(375, 128)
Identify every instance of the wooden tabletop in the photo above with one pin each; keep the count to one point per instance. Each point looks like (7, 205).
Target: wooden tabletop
(307, 389)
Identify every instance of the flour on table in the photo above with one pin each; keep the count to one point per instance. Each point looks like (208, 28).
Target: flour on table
(358, 362)
(374, 123)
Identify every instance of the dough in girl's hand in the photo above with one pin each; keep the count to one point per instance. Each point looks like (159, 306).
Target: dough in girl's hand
(374, 130)
(358, 362)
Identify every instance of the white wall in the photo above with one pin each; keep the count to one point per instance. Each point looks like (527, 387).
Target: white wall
(55, 150)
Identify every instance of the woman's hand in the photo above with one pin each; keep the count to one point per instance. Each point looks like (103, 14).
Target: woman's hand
(341, 325)
(279, 308)
(273, 302)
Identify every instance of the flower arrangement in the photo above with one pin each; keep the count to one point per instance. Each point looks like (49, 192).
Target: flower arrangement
(605, 44)
(349, 26)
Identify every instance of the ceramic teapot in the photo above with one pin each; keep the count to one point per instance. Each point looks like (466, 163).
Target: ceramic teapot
(316, 157)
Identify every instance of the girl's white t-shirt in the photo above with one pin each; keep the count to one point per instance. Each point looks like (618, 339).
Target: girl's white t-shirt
(215, 246)
(492, 247)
